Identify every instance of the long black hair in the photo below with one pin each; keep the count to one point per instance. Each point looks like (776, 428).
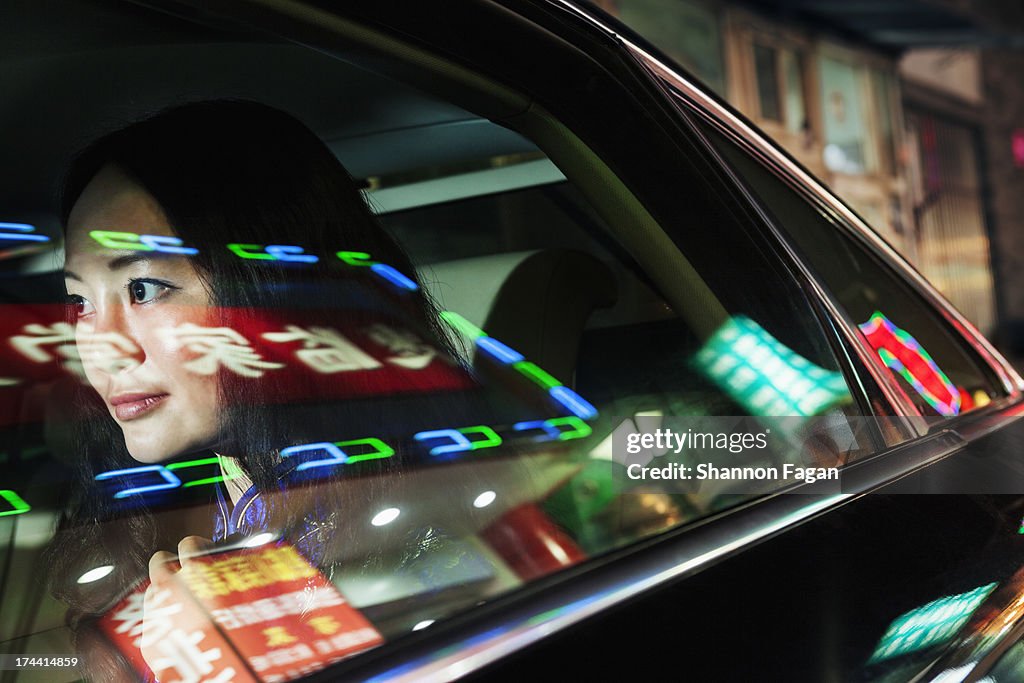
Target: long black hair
(223, 172)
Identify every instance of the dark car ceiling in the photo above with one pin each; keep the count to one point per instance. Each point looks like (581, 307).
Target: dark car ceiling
(70, 71)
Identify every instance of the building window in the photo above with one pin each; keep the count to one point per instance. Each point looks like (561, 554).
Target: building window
(842, 106)
(766, 67)
(779, 77)
(794, 92)
(882, 87)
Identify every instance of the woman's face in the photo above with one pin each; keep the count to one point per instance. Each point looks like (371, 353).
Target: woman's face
(128, 303)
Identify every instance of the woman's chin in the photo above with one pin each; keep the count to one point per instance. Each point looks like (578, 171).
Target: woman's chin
(152, 454)
(147, 456)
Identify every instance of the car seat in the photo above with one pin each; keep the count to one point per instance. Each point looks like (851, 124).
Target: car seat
(537, 302)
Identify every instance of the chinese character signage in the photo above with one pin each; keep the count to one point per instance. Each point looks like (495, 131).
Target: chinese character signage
(357, 354)
(254, 614)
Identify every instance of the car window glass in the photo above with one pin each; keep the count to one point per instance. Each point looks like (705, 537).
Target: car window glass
(933, 365)
(410, 467)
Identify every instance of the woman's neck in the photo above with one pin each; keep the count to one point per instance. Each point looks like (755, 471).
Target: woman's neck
(235, 479)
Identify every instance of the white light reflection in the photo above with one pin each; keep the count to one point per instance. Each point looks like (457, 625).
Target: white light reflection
(258, 540)
(423, 624)
(96, 574)
(385, 516)
(484, 499)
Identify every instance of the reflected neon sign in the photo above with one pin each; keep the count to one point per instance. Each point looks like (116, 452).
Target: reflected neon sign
(362, 259)
(902, 354)
(168, 480)
(336, 455)
(329, 454)
(129, 240)
(20, 232)
(273, 252)
(322, 350)
(459, 440)
(17, 503)
(506, 355)
(764, 375)
(552, 428)
(286, 253)
(930, 624)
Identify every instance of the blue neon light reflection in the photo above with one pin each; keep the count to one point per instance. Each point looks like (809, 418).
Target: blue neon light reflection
(498, 350)
(551, 432)
(285, 252)
(461, 442)
(21, 229)
(337, 456)
(393, 276)
(573, 402)
(170, 481)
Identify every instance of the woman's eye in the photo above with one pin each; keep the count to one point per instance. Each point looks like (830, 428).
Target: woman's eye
(80, 306)
(144, 291)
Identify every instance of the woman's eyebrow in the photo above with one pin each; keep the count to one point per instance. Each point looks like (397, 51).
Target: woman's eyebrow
(127, 260)
(114, 264)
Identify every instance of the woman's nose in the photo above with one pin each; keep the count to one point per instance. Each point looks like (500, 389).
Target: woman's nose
(107, 343)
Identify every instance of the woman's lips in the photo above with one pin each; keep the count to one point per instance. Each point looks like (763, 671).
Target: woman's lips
(132, 406)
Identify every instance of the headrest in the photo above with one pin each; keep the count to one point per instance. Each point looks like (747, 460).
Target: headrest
(536, 302)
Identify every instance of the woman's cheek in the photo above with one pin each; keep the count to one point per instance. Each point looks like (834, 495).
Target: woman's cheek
(159, 332)
(91, 371)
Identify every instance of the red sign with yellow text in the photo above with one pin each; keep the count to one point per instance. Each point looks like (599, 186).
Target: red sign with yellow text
(265, 606)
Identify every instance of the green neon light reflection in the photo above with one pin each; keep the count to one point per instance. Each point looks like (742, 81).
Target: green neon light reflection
(538, 375)
(929, 624)
(490, 440)
(382, 449)
(119, 240)
(579, 428)
(199, 463)
(250, 251)
(18, 505)
(462, 325)
(569, 399)
(356, 258)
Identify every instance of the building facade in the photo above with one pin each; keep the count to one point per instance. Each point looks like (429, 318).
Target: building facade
(876, 125)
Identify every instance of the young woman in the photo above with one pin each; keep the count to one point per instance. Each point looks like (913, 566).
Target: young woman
(194, 179)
